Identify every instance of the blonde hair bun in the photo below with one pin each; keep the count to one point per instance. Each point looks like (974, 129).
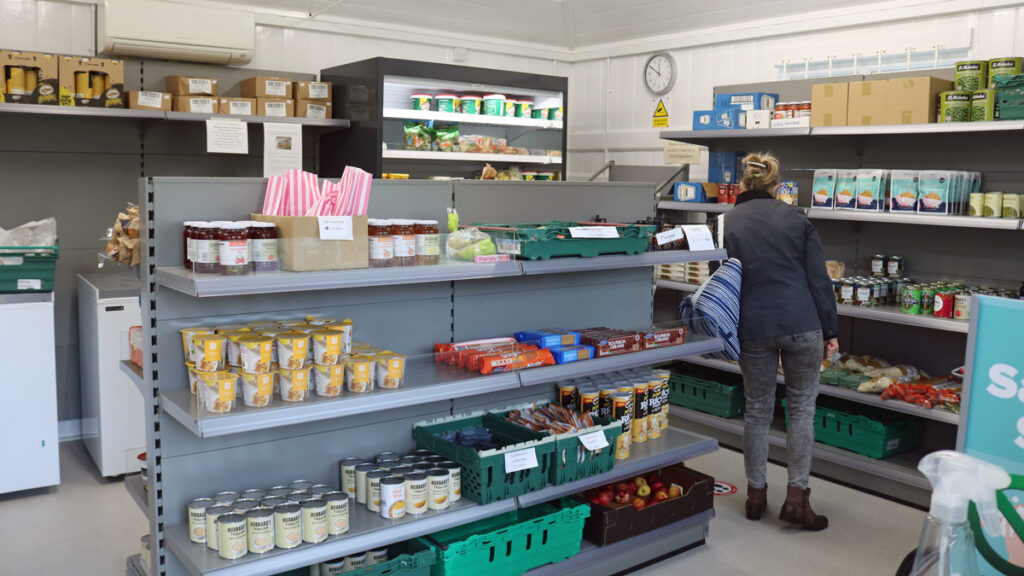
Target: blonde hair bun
(760, 172)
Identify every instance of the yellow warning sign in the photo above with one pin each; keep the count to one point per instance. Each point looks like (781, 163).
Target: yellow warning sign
(660, 118)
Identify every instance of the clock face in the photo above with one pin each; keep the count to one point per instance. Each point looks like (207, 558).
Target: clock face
(659, 73)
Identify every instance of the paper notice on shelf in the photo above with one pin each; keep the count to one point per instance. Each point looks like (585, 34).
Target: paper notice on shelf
(520, 460)
(226, 136)
(594, 441)
(669, 236)
(698, 236)
(335, 227)
(594, 232)
(34, 284)
(681, 153)
(282, 148)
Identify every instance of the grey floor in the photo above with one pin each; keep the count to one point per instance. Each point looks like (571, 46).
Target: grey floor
(89, 526)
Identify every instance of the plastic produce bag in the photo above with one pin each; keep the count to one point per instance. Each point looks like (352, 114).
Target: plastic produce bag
(466, 244)
(39, 233)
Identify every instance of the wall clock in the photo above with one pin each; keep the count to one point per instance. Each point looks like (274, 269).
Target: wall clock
(660, 73)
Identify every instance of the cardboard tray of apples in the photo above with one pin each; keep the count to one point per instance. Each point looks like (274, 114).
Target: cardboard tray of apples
(638, 505)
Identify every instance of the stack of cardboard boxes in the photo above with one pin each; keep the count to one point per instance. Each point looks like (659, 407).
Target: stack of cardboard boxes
(36, 78)
(314, 100)
(877, 102)
(731, 110)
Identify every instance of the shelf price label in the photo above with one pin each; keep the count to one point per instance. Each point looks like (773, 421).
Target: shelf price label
(699, 237)
(594, 441)
(669, 236)
(594, 232)
(520, 460)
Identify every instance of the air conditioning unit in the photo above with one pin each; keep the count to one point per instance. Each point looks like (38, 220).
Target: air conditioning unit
(157, 29)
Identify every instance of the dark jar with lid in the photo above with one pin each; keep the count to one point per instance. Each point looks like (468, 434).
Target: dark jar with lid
(187, 244)
(403, 234)
(428, 242)
(234, 249)
(264, 247)
(382, 246)
(206, 248)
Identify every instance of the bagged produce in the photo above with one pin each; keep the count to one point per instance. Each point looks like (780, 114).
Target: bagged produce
(468, 243)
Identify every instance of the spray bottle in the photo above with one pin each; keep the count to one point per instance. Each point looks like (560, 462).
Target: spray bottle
(947, 543)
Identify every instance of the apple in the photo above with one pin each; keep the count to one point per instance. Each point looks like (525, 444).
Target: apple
(639, 503)
(643, 491)
(622, 487)
(622, 498)
(632, 488)
(639, 481)
(604, 498)
(594, 501)
(661, 495)
(653, 478)
(655, 486)
(675, 491)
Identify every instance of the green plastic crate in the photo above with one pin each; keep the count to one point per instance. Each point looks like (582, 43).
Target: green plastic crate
(27, 268)
(868, 431)
(410, 558)
(1010, 101)
(723, 400)
(483, 472)
(571, 460)
(512, 543)
(545, 240)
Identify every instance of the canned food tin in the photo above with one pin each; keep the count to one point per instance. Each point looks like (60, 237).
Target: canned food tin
(402, 471)
(314, 521)
(300, 485)
(422, 466)
(355, 562)
(913, 294)
(993, 205)
(337, 512)
(438, 489)
(392, 497)
(287, 526)
(272, 502)
(243, 507)
(589, 402)
(605, 392)
(373, 479)
(279, 492)
(254, 494)
(435, 458)
(654, 408)
(863, 294)
(378, 556)
(416, 493)
(928, 299)
(878, 265)
(259, 525)
(622, 410)
(329, 568)
(212, 533)
(231, 534)
(945, 302)
(409, 460)
(197, 519)
(641, 407)
(977, 204)
(454, 479)
(568, 395)
(422, 454)
(226, 497)
(847, 291)
(962, 306)
(894, 267)
(361, 488)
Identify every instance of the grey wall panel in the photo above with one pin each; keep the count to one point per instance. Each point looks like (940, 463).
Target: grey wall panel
(506, 398)
(313, 457)
(648, 174)
(492, 201)
(416, 199)
(936, 351)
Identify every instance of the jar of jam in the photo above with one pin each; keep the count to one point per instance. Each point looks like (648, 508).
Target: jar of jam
(187, 244)
(403, 235)
(234, 249)
(803, 110)
(263, 247)
(428, 242)
(206, 248)
(382, 246)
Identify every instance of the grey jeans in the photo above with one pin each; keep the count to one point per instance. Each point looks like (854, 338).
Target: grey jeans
(801, 361)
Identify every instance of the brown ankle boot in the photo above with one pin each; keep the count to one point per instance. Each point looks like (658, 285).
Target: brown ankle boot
(797, 510)
(757, 501)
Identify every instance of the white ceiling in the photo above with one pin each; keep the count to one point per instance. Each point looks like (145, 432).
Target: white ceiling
(566, 24)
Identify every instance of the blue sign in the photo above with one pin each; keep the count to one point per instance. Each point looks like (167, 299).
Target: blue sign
(992, 424)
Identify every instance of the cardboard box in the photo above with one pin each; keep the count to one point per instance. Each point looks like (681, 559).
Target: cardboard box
(266, 87)
(725, 167)
(829, 104)
(80, 78)
(868, 103)
(302, 250)
(140, 100)
(196, 104)
(40, 71)
(314, 91)
(719, 119)
(914, 100)
(313, 109)
(191, 86)
(759, 119)
(746, 101)
(237, 106)
(278, 107)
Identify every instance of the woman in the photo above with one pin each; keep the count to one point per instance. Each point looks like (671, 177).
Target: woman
(787, 309)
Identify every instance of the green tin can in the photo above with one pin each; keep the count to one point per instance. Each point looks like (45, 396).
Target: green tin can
(928, 299)
(524, 108)
(971, 75)
(1003, 68)
(977, 204)
(555, 113)
(983, 105)
(955, 106)
(912, 295)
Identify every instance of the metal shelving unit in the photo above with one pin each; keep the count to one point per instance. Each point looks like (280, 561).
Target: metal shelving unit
(914, 218)
(211, 285)
(674, 285)
(845, 393)
(697, 136)
(468, 157)
(83, 112)
(708, 207)
(893, 315)
(192, 456)
(133, 566)
(137, 489)
(134, 374)
(458, 117)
